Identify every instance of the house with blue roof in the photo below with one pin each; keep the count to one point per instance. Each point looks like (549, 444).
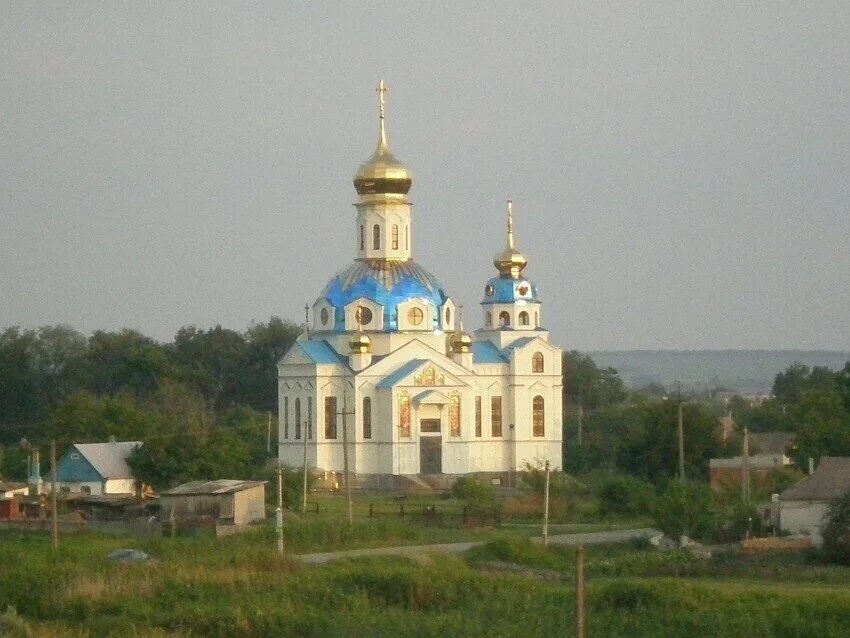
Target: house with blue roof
(387, 376)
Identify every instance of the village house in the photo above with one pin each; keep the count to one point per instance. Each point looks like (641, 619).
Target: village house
(802, 508)
(224, 501)
(768, 453)
(97, 468)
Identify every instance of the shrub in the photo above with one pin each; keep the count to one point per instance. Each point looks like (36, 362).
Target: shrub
(624, 496)
(836, 533)
(473, 491)
(684, 509)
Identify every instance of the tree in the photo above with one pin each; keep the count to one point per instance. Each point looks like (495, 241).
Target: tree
(125, 361)
(836, 532)
(589, 385)
(211, 360)
(684, 509)
(266, 343)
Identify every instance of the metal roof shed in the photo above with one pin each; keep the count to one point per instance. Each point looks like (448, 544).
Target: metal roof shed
(225, 500)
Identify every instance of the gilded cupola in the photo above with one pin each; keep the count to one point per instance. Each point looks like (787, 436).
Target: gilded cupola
(382, 173)
(510, 262)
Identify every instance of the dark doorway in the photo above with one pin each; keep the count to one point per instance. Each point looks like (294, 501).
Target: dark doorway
(430, 455)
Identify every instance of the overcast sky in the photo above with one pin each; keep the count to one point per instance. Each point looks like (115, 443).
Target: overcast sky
(681, 172)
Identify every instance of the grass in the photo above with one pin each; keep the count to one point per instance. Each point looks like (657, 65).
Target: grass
(238, 586)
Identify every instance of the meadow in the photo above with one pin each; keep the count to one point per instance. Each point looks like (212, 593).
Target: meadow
(239, 586)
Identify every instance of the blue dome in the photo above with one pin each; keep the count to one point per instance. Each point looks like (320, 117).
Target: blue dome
(508, 290)
(387, 283)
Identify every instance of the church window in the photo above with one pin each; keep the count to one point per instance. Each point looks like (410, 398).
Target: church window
(376, 237)
(477, 416)
(325, 315)
(395, 237)
(536, 320)
(454, 414)
(363, 315)
(496, 416)
(286, 417)
(537, 362)
(537, 415)
(504, 318)
(415, 316)
(448, 316)
(330, 417)
(488, 318)
(297, 418)
(367, 418)
(523, 318)
(404, 415)
(362, 237)
(407, 237)
(309, 417)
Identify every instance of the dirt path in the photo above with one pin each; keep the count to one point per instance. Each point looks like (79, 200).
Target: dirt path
(587, 538)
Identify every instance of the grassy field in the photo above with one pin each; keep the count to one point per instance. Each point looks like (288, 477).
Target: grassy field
(238, 586)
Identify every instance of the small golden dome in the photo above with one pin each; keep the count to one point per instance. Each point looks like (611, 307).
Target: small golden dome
(360, 343)
(510, 261)
(461, 341)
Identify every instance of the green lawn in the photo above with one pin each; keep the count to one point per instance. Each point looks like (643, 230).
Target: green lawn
(238, 586)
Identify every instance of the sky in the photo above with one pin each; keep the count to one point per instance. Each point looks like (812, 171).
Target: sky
(680, 171)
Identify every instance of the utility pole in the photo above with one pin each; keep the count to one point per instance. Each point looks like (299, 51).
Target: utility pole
(279, 511)
(53, 494)
(269, 434)
(580, 592)
(745, 467)
(304, 495)
(345, 413)
(546, 507)
(681, 434)
(580, 415)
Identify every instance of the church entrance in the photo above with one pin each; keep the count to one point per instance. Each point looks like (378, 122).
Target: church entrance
(430, 455)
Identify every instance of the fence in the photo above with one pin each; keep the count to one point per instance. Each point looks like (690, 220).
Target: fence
(441, 515)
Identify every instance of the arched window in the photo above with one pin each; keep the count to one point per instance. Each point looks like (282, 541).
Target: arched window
(537, 416)
(488, 318)
(330, 418)
(407, 237)
(523, 318)
(297, 418)
(537, 362)
(367, 418)
(309, 434)
(395, 237)
(286, 417)
(454, 414)
(504, 318)
(376, 237)
(448, 316)
(325, 316)
(536, 319)
(362, 238)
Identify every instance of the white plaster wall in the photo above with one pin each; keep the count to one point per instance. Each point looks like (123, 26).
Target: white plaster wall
(803, 517)
(120, 486)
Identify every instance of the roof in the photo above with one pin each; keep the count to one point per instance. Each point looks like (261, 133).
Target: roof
(772, 442)
(757, 462)
(399, 373)
(319, 351)
(831, 480)
(486, 352)
(220, 486)
(8, 487)
(519, 343)
(109, 459)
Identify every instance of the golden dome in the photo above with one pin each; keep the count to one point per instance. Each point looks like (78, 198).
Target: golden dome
(382, 173)
(360, 343)
(461, 341)
(510, 262)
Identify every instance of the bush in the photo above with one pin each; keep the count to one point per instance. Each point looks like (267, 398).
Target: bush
(836, 533)
(684, 509)
(624, 496)
(473, 491)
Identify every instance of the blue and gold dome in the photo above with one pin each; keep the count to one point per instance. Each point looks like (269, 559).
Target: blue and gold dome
(504, 289)
(387, 283)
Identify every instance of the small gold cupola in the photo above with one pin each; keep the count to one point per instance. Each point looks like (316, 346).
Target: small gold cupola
(382, 173)
(461, 341)
(510, 262)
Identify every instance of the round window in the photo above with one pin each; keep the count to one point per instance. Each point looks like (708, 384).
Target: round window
(325, 315)
(415, 316)
(363, 315)
(489, 290)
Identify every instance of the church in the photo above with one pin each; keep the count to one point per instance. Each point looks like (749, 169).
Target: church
(387, 375)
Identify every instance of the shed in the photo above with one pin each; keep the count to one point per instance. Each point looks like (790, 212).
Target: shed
(97, 468)
(803, 507)
(224, 500)
(9, 490)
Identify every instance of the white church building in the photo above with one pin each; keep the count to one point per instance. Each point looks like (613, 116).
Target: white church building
(387, 366)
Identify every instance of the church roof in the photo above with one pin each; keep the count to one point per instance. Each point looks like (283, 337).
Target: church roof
(486, 352)
(320, 352)
(400, 373)
(519, 343)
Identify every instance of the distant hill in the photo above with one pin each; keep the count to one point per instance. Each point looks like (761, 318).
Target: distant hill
(739, 370)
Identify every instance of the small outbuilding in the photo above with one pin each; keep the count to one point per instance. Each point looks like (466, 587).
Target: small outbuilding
(97, 468)
(803, 507)
(226, 501)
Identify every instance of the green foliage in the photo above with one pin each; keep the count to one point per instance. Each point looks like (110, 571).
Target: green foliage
(589, 385)
(836, 532)
(622, 495)
(684, 509)
(473, 491)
